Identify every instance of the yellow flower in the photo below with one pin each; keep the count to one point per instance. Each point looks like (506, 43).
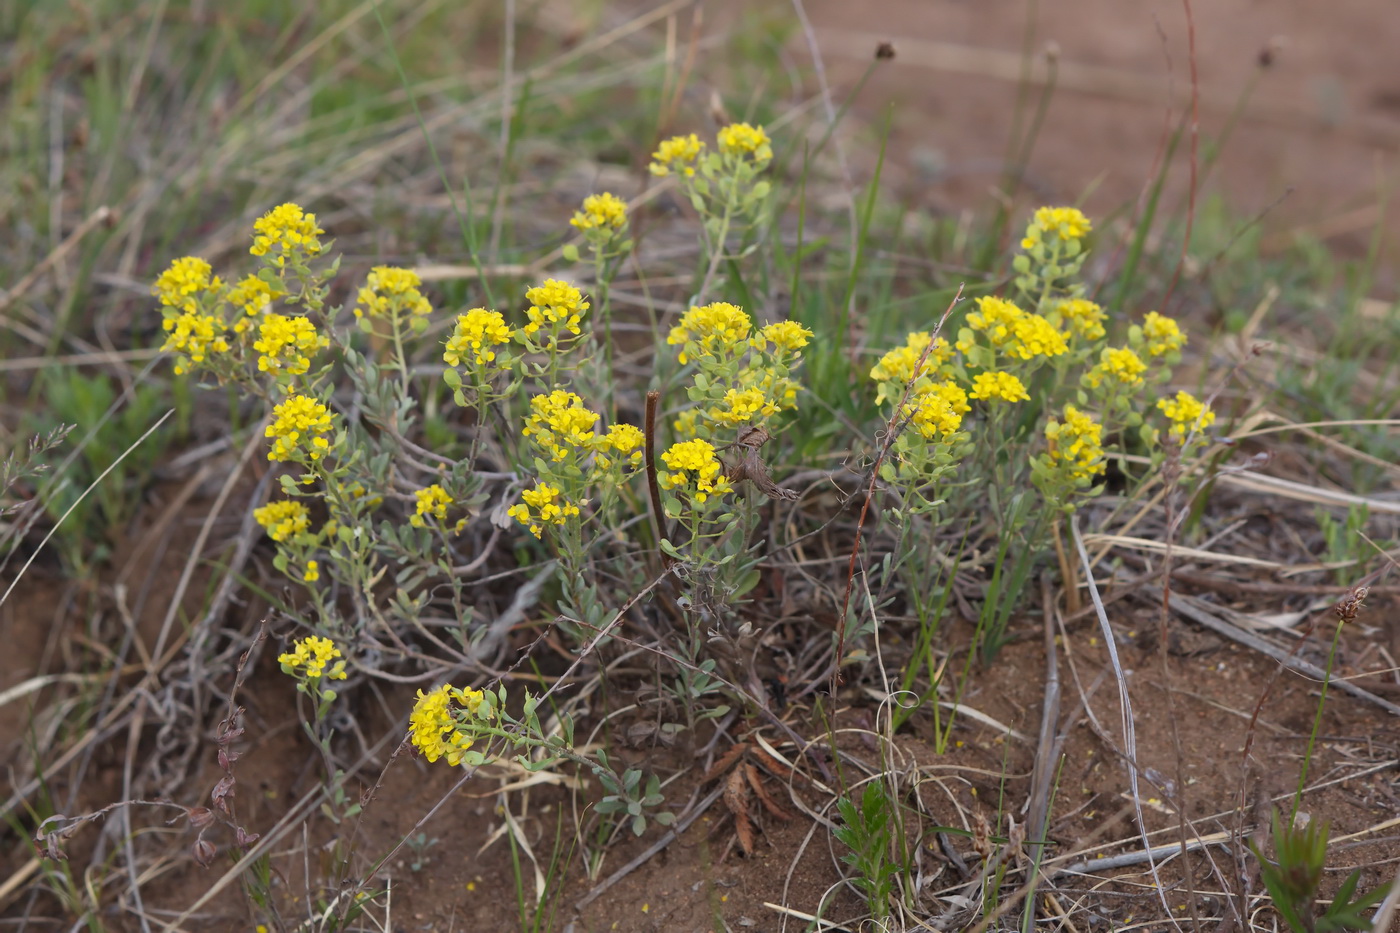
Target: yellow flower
(313, 572)
(179, 286)
(1076, 442)
(254, 296)
(601, 210)
(559, 421)
(288, 231)
(622, 439)
(390, 290)
(1035, 336)
(676, 154)
(1064, 223)
(286, 344)
(1187, 414)
(998, 385)
(300, 424)
(555, 302)
(786, 336)
(739, 406)
(697, 457)
(936, 410)
(1120, 363)
(543, 505)
(687, 421)
(283, 518)
(309, 657)
(742, 139)
(717, 323)
(898, 364)
(196, 335)
(434, 727)
(432, 502)
(1083, 317)
(1162, 333)
(994, 317)
(477, 331)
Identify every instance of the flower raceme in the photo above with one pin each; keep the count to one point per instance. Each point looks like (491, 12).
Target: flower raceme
(309, 657)
(299, 428)
(1056, 223)
(1076, 444)
(936, 411)
(1120, 364)
(283, 519)
(600, 211)
(476, 333)
(625, 440)
(741, 139)
(1187, 414)
(1034, 336)
(785, 336)
(703, 330)
(254, 296)
(999, 385)
(181, 284)
(554, 303)
(286, 344)
(194, 335)
(390, 290)
(898, 364)
(694, 462)
(432, 502)
(286, 232)
(994, 317)
(677, 154)
(1162, 334)
(740, 406)
(1083, 317)
(559, 423)
(543, 505)
(434, 727)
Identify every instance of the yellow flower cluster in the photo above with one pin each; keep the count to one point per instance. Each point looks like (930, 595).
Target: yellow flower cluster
(283, 518)
(555, 302)
(601, 211)
(559, 422)
(286, 344)
(697, 457)
(309, 657)
(740, 406)
(1076, 442)
(994, 317)
(196, 335)
(1083, 317)
(1035, 336)
(1062, 223)
(898, 364)
(432, 503)
(299, 424)
(476, 333)
(743, 139)
(1187, 414)
(286, 231)
(181, 284)
(999, 385)
(624, 440)
(542, 506)
(1118, 363)
(1162, 333)
(785, 336)
(936, 411)
(433, 725)
(676, 154)
(254, 296)
(390, 290)
(717, 324)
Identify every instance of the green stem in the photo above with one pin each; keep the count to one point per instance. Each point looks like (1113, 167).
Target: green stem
(1317, 725)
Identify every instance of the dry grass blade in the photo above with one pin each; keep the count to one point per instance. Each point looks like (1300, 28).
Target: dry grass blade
(756, 782)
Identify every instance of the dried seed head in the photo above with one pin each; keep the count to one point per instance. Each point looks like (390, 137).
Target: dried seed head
(203, 852)
(884, 52)
(1350, 605)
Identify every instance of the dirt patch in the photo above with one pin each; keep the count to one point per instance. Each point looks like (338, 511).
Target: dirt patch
(1312, 137)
